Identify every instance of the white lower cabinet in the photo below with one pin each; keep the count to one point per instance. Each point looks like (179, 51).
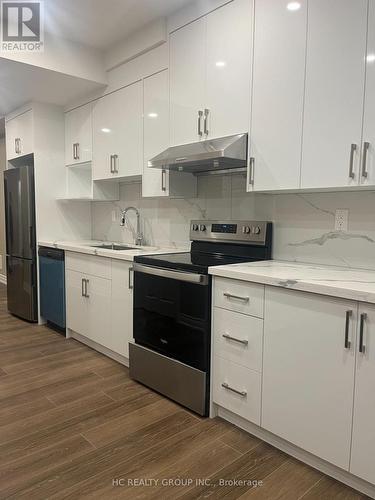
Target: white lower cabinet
(304, 373)
(100, 303)
(121, 308)
(363, 443)
(308, 372)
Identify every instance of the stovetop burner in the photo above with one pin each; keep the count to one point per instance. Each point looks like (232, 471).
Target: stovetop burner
(216, 243)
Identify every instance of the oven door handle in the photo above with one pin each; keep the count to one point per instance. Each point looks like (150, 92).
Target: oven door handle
(199, 279)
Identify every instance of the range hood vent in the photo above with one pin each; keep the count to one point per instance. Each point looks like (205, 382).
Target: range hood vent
(224, 153)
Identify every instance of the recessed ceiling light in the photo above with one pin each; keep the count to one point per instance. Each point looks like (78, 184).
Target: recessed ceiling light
(152, 115)
(106, 130)
(293, 6)
(370, 58)
(221, 64)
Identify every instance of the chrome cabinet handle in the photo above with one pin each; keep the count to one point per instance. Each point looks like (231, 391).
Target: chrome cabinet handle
(86, 288)
(229, 388)
(240, 341)
(74, 151)
(77, 151)
(347, 342)
(238, 297)
(111, 165)
(353, 149)
(251, 171)
(205, 126)
(115, 164)
(83, 287)
(163, 180)
(131, 275)
(366, 147)
(200, 114)
(16, 146)
(362, 347)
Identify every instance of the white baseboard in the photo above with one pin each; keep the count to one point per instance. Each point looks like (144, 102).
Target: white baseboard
(3, 279)
(309, 459)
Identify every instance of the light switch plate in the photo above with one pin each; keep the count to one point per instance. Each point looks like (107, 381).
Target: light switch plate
(341, 219)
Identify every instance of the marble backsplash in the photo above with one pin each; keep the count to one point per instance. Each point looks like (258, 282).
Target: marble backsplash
(303, 223)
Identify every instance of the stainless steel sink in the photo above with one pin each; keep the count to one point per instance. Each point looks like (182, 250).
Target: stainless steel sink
(113, 246)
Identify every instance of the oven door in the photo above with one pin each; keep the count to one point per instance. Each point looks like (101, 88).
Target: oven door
(172, 314)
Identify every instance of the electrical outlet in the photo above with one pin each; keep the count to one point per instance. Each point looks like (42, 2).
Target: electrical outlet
(341, 219)
(114, 216)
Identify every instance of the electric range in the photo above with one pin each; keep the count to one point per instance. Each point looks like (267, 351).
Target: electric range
(172, 307)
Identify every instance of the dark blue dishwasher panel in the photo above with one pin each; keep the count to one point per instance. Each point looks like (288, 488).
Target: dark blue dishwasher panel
(52, 286)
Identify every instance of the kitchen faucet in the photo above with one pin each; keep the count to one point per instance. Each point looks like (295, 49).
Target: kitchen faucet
(139, 237)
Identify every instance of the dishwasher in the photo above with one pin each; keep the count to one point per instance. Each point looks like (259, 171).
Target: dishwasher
(52, 287)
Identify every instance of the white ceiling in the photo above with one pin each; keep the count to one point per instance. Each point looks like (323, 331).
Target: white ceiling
(21, 83)
(102, 23)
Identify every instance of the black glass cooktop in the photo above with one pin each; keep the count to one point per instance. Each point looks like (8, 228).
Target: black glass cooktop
(190, 261)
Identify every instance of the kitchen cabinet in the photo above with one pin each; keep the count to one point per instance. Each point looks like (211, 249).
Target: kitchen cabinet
(78, 135)
(363, 440)
(121, 308)
(19, 135)
(308, 371)
(277, 96)
(367, 175)
(99, 299)
(117, 134)
(157, 182)
(335, 79)
(209, 77)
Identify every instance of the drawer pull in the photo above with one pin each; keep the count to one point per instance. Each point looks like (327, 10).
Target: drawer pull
(238, 297)
(228, 337)
(243, 394)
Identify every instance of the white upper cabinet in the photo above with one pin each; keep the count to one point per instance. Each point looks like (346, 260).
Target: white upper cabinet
(308, 371)
(19, 135)
(335, 78)
(187, 69)
(78, 135)
(228, 68)
(363, 445)
(157, 182)
(117, 134)
(367, 176)
(278, 93)
(210, 65)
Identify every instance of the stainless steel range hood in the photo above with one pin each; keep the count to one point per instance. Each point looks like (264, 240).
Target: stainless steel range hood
(225, 153)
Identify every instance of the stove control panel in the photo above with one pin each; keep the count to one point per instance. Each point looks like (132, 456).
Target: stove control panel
(251, 232)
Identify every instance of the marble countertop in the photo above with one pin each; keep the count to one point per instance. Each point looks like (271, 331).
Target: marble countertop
(347, 283)
(85, 246)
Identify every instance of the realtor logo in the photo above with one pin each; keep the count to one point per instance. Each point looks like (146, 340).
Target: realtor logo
(22, 26)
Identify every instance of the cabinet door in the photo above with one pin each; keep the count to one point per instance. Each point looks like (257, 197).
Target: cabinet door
(278, 93)
(228, 68)
(121, 308)
(76, 303)
(335, 73)
(308, 373)
(368, 143)
(78, 135)
(117, 136)
(187, 81)
(363, 445)
(99, 307)
(155, 182)
(19, 135)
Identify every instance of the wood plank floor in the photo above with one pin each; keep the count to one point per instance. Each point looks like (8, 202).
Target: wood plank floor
(73, 425)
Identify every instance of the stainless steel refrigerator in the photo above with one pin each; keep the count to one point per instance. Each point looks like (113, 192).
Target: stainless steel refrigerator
(20, 242)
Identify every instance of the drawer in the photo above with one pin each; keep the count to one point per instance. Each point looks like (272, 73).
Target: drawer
(237, 389)
(238, 338)
(88, 264)
(239, 296)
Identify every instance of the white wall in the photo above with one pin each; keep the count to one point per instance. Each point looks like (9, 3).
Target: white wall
(303, 223)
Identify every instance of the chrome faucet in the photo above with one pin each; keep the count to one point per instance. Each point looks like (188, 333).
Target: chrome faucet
(139, 236)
